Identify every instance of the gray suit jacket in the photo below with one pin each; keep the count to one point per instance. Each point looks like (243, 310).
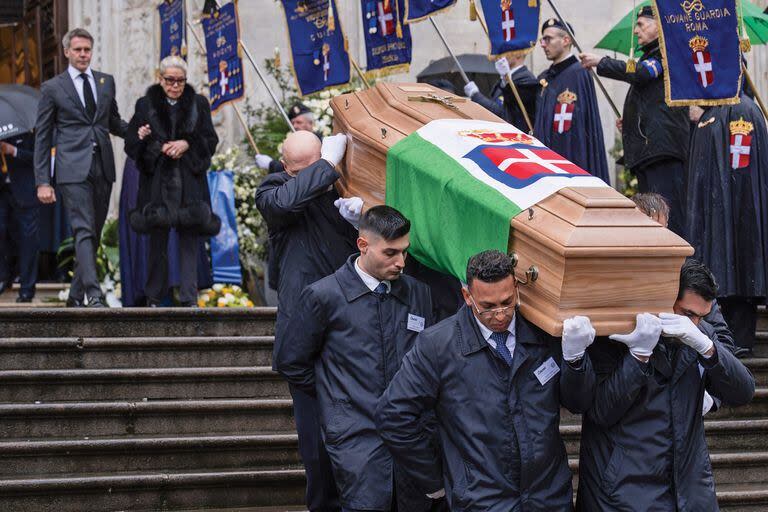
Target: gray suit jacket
(62, 122)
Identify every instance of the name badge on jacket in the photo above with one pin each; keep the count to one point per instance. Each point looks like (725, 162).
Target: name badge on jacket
(546, 371)
(415, 323)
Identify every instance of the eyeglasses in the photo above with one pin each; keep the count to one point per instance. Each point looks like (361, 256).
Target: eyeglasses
(488, 314)
(549, 39)
(174, 81)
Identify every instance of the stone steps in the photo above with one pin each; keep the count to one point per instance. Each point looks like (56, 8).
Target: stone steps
(129, 352)
(140, 383)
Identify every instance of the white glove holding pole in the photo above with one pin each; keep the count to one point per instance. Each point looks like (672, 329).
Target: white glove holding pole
(263, 161)
(682, 328)
(333, 148)
(578, 334)
(644, 338)
(350, 209)
(502, 67)
(471, 89)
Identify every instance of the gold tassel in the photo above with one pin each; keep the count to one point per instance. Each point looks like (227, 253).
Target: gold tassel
(472, 11)
(399, 30)
(631, 66)
(346, 44)
(4, 167)
(532, 3)
(746, 45)
(277, 57)
(331, 19)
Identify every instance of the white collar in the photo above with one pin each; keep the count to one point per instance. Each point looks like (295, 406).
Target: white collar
(486, 332)
(370, 282)
(74, 73)
(514, 70)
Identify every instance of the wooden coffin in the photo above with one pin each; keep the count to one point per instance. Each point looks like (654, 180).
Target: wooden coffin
(581, 251)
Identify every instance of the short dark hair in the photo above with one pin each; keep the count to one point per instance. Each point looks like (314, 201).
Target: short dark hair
(76, 32)
(489, 267)
(697, 278)
(651, 204)
(386, 222)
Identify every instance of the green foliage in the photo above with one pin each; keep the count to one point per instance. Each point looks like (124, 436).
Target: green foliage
(107, 254)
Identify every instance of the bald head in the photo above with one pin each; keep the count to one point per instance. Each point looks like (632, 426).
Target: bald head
(300, 150)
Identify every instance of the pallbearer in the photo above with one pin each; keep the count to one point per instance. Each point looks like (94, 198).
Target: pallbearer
(727, 202)
(567, 115)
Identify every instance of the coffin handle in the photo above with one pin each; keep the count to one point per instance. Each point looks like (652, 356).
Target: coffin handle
(531, 275)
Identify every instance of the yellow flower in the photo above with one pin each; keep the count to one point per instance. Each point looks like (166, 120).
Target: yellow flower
(201, 303)
(250, 304)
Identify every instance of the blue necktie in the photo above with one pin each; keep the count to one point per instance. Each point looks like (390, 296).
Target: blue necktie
(501, 346)
(381, 290)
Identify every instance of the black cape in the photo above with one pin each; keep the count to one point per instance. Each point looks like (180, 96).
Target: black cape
(503, 103)
(583, 143)
(727, 208)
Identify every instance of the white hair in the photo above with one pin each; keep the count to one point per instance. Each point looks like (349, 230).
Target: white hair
(173, 61)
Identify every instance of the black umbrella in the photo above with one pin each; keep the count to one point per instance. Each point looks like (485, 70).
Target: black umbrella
(18, 109)
(477, 67)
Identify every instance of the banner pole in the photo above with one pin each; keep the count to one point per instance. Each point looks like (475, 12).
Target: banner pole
(754, 90)
(512, 85)
(359, 72)
(234, 107)
(578, 47)
(447, 47)
(263, 79)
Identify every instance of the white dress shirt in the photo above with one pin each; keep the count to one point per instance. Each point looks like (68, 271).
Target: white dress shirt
(370, 281)
(511, 340)
(75, 75)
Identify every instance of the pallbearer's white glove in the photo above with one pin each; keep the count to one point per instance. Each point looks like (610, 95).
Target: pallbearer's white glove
(351, 209)
(437, 494)
(578, 334)
(263, 161)
(502, 67)
(644, 338)
(471, 89)
(682, 328)
(333, 148)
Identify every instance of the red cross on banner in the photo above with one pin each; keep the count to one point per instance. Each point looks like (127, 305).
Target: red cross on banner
(525, 162)
(386, 19)
(508, 24)
(563, 117)
(702, 63)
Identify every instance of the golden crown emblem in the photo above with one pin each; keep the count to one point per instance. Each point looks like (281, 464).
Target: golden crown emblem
(567, 97)
(741, 127)
(506, 4)
(698, 44)
(497, 137)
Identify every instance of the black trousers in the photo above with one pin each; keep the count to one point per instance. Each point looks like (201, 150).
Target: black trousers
(741, 315)
(156, 287)
(21, 225)
(667, 178)
(322, 495)
(87, 204)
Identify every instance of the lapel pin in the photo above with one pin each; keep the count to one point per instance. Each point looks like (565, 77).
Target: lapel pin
(101, 80)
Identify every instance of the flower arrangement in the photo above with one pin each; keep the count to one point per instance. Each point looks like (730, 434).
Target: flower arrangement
(224, 296)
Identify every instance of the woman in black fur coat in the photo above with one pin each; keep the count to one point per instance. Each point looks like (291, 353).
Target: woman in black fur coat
(171, 138)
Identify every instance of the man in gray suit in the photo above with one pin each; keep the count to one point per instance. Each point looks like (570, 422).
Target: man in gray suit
(77, 113)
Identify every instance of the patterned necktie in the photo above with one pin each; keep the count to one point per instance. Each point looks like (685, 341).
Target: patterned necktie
(381, 290)
(501, 346)
(90, 102)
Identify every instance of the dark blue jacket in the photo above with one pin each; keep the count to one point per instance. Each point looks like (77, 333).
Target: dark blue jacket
(642, 442)
(498, 426)
(21, 171)
(308, 238)
(347, 345)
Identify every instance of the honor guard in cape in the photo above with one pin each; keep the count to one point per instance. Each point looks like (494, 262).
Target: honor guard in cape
(567, 115)
(727, 217)
(655, 136)
(509, 109)
(302, 119)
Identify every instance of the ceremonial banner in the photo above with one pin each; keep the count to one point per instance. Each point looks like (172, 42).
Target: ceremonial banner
(461, 181)
(173, 30)
(513, 25)
(225, 249)
(318, 47)
(700, 45)
(418, 10)
(225, 66)
(387, 41)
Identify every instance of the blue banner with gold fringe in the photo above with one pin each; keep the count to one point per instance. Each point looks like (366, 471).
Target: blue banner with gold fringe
(387, 40)
(225, 66)
(318, 46)
(418, 10)
(173, 29)
(513, 25)
(701, 48)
